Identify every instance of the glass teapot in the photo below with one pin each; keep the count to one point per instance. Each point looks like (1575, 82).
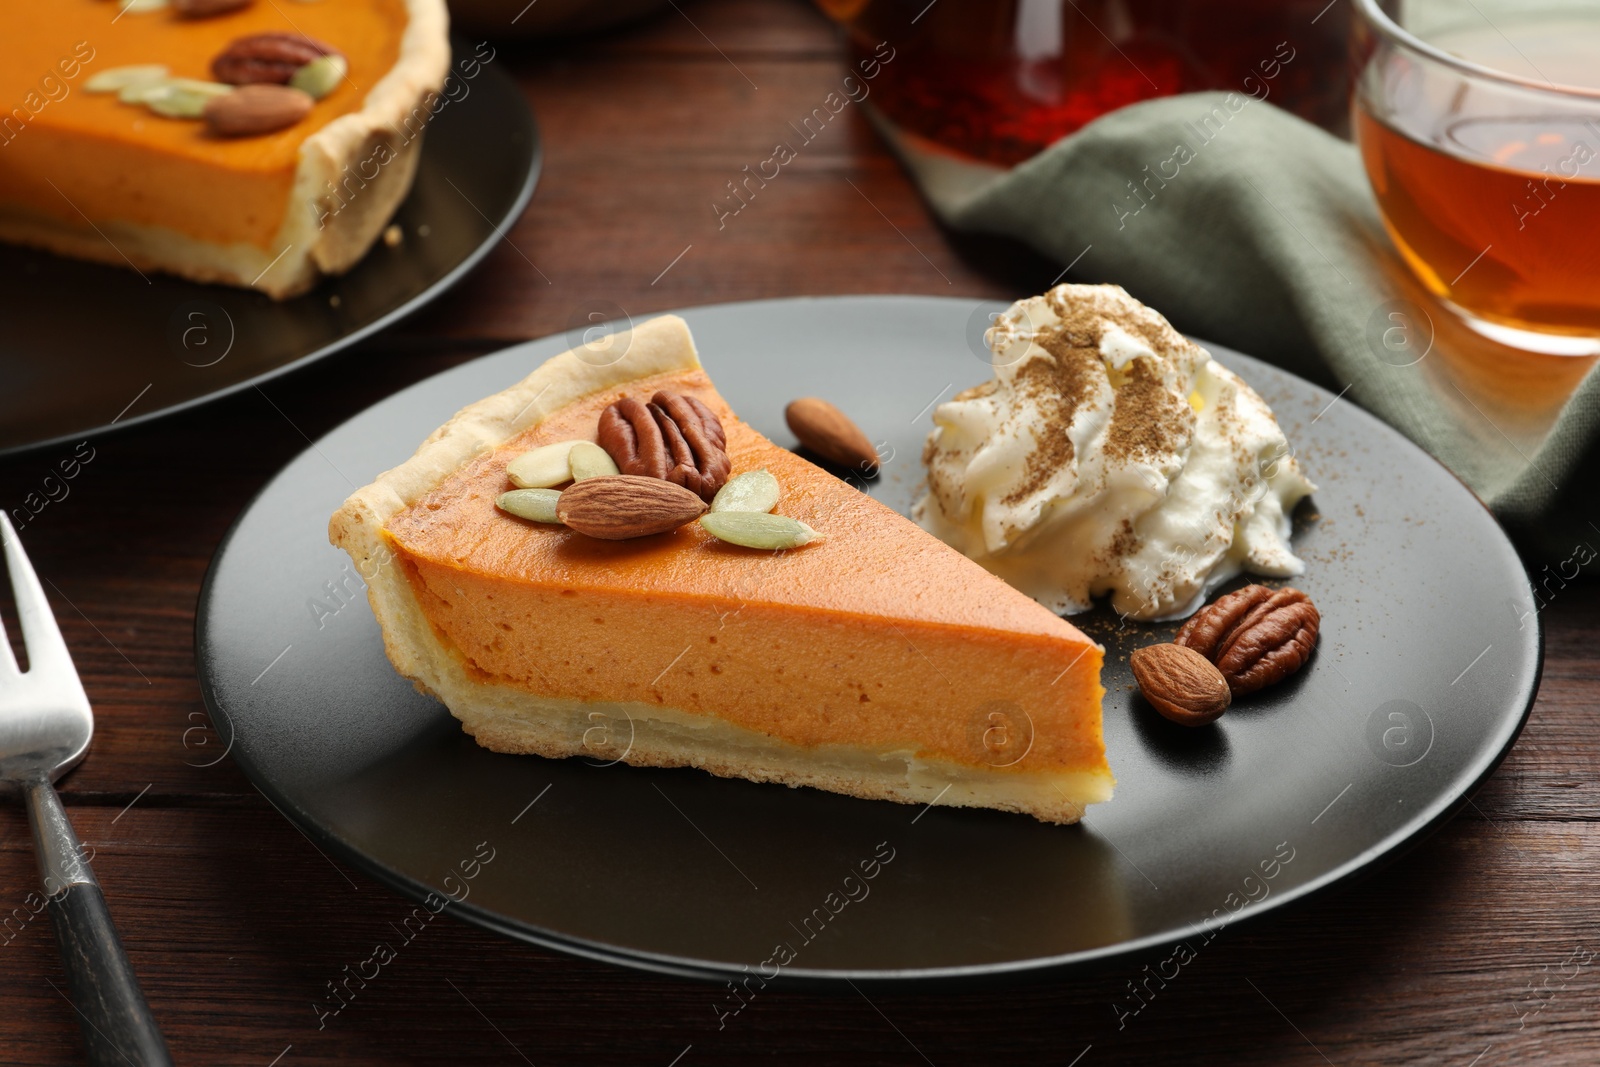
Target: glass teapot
(999, 80)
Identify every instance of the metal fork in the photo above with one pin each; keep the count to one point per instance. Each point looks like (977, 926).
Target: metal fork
(45, 726)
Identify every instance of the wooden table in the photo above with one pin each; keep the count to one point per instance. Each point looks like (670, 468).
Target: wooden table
(1457, 954)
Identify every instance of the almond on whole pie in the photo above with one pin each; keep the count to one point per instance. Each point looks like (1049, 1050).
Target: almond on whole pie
(85, 173)
(876, 662)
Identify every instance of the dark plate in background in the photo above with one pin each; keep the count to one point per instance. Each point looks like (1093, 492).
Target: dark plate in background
(85, 346)
(1424, 676)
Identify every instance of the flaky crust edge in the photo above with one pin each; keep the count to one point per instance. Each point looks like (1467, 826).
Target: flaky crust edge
(334, 247)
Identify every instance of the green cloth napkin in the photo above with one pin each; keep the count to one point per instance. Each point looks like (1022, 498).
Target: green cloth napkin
(1262, 234)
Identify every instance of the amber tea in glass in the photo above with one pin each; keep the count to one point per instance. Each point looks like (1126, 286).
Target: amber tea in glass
(1480, 131)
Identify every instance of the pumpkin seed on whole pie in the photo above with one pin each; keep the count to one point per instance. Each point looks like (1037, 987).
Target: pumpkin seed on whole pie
(753, 491)
(200, 85)
(140, 6)
(589, 460)
(542, 468)
(321, 76)
(176, 101)
(175, 98)
(140, 91)
(178, 104)
(535, 505)
(752, 529)
(119, 78)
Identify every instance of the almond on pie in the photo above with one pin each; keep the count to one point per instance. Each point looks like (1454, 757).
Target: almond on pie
(877, 662)
(85, 174)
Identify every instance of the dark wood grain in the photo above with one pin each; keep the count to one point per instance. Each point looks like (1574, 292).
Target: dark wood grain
(235, 922)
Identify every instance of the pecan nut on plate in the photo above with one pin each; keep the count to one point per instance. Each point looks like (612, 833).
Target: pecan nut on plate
(1256, 636)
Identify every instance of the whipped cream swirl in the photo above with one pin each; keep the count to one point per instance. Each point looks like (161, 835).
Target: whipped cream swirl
(1110, 455)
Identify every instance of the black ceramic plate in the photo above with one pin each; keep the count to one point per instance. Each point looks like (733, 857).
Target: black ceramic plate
(1428, 663)
(87, 346)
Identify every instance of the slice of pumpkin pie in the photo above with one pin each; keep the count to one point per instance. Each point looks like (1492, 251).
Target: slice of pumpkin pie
(866, 658)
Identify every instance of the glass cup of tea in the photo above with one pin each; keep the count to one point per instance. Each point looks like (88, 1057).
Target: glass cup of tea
(1479, 126)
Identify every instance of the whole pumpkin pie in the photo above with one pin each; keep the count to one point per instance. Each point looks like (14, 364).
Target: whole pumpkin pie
(875, 662)
(85, 172)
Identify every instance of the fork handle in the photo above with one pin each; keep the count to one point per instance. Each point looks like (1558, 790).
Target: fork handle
(117, 1025)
